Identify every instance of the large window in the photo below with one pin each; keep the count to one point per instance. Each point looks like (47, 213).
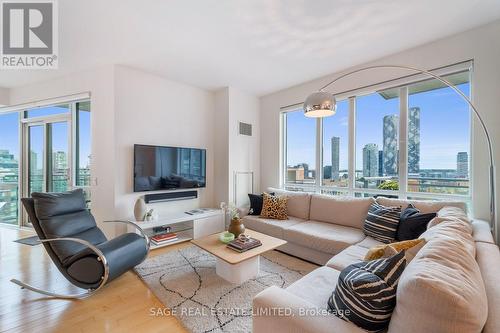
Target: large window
(300, 149)
(335, 146)
(9, 167)
(42, 149)
(410, 139)
(377, 141)
(439, 137)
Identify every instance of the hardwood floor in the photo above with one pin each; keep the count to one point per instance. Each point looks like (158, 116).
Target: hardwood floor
(122, 306)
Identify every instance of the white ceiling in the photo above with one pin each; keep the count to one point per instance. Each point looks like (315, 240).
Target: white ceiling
(259, 46)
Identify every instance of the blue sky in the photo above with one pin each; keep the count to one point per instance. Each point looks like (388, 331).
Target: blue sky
(444, 128)
(9, 134)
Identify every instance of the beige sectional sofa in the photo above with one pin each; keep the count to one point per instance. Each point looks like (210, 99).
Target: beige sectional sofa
(452, 285)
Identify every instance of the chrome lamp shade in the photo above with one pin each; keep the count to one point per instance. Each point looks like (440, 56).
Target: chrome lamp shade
(320, 104)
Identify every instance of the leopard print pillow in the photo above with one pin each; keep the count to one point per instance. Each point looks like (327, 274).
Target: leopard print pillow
(274, 207)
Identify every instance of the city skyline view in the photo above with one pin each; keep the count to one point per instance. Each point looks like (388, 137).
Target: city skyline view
(9, 132)
(444, 129)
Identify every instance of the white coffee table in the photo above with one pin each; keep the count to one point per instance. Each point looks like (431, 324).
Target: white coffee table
(233, 266)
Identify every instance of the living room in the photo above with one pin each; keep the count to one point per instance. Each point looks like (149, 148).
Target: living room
(297, 124)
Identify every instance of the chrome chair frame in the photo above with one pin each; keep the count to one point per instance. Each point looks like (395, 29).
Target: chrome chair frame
(100, 256)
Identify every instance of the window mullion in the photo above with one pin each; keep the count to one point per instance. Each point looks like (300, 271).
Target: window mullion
(351, 155)
(319, 154)
(403, 142)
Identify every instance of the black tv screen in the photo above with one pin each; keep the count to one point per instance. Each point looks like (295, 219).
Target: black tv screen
(159, 168)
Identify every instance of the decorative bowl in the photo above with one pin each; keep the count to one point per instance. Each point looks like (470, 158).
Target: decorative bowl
(226, 237)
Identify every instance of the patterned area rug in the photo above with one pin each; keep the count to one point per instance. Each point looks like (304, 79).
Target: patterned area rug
(186, 283)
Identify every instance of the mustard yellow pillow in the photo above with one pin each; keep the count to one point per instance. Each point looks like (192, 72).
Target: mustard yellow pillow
(387, 250)
(274, 207)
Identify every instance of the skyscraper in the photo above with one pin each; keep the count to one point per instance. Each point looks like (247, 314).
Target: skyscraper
(380, 163)
(390, 141)
(414, 140)
(370, 160)
(60, 160)
(462, 165)
(335, 158)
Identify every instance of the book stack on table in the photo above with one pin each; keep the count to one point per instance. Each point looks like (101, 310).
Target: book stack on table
(242, 245)
(160, 239)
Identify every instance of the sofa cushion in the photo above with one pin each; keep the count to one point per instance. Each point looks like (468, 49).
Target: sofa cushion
(325, 237)
(349, 212)
(366, 292)
(443, 282)
(411, 248)
(412, 223)
(270, 227)
(349, 256)
(256, 201)
(424, 206)
(369, 242)
(488, 259)
(298, 202)
(382, 222)
(274, 207)
(316, 287)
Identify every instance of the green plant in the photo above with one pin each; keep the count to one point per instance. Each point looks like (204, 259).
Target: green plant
(389, 185)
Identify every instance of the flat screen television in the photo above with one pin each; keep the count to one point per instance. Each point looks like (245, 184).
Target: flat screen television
(158, 168)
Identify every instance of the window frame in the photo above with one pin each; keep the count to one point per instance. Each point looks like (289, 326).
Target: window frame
(401, 83)
(73, 146)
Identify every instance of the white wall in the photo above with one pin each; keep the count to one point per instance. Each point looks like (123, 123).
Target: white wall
(99, 83)
(131, 106)
(234, 152)
(221, 145)
(244, 151)
(152, 110)
(481, 44)
(4, 96)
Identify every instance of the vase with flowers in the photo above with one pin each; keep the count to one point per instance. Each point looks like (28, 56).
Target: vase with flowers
(236, 227)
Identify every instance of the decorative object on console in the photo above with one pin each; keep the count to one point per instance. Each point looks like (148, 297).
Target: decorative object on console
(412, 223)
(274, 207)
(226, 237)
(323, 104)
(140, 209)
(382, 222)
(150, 215)
(366, 292)
(388, 250)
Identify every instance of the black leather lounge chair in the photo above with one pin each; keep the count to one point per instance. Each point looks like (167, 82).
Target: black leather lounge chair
(77, 246)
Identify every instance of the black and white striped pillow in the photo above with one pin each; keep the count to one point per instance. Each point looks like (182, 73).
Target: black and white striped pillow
(366, 292)
(382, 222)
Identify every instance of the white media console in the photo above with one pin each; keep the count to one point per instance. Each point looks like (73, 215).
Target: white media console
(187, 226)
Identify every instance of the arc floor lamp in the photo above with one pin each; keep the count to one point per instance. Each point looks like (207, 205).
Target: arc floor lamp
(323, 104)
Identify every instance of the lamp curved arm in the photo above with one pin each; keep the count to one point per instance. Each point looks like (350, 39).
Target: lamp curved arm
(138, 228)
(465, 98)
(100, 256)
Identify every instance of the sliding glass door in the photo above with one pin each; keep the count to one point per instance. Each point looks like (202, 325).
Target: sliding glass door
(47, 155)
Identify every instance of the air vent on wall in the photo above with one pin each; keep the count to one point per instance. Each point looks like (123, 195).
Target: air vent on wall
(245, 129)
